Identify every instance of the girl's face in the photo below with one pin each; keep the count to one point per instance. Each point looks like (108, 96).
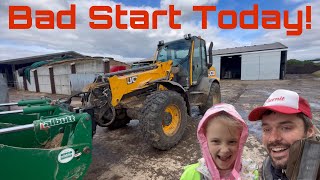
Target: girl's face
(223, 142)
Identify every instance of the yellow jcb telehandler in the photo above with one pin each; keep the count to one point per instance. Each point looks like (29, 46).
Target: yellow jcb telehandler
(159, 94)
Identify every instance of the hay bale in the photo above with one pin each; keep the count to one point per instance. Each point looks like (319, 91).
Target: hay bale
(55, 142)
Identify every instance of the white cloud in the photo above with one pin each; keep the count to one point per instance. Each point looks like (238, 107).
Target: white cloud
(10, 51)
(295, 1)
(185, 5)
(130, 44)
(305, 46)
(125, 44)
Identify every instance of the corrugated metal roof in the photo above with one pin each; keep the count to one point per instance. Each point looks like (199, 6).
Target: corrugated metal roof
(32, 59)
(262, 47)
(82, 59)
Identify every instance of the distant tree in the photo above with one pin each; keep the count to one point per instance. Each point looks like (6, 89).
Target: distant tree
(308, 62)
(295, 62)
(295, 66)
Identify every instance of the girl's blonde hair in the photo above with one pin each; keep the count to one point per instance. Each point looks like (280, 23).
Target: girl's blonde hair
(226, 118)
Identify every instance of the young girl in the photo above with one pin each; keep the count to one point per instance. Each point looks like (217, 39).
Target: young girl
(222, 134)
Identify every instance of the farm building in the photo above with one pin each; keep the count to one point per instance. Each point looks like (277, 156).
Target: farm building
(60, 73)
(9, 66)
(258, 62)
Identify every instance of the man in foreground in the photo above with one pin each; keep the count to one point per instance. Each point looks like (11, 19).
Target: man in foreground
(288, 136)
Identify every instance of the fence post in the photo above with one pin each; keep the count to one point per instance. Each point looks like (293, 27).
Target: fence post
(36, 80)
(53, 86)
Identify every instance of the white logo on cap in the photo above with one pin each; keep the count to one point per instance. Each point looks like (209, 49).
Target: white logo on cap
(283, 97)
(276, 99)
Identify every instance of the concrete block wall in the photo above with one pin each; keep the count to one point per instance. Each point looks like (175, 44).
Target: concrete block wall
(32, 85)
(89, 67)
(44, 79)
(62, 73)
(4, 97)
(86, 71)
(61, 78)
(19, 80)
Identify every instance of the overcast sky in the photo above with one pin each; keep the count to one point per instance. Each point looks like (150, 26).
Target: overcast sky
(130, 44)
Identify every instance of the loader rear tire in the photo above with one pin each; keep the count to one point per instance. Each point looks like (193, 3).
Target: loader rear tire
(214, 97)
(164, 119)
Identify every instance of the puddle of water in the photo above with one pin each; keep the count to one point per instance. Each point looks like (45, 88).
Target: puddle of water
(133, 122)
(266, 93)
(254, 127)
(195, 112)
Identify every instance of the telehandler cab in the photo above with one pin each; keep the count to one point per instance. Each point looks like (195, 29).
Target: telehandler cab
(160, 94)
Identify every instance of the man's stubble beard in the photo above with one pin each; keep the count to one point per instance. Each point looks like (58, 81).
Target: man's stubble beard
(283, 165)
(279, 166)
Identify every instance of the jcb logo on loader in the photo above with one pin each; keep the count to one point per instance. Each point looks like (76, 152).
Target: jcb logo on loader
(132, 79)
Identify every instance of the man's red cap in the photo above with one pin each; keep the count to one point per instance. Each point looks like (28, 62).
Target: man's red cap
(282, 101)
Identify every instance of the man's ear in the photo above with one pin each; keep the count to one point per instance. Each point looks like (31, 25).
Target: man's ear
(311, 131)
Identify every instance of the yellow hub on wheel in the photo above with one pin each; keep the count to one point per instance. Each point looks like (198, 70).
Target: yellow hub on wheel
(172, 120)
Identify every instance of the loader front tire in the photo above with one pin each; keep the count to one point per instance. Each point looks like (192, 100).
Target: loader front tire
(164, 119)
(214, 97)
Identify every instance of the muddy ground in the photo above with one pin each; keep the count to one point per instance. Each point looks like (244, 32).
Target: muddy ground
(122, 154)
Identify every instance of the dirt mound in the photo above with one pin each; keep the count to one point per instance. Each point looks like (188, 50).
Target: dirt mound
(317, 73)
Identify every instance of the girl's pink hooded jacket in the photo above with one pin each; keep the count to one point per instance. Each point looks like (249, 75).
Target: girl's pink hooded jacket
(204, 144)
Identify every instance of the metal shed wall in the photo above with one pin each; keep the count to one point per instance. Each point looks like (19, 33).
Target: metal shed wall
(250, 66)
(216, 61)
(260, 66)
(270, 65)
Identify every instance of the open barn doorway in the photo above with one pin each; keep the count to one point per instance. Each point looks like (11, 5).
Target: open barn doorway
(230, 67)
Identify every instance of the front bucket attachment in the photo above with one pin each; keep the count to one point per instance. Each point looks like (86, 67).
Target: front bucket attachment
(44, 142)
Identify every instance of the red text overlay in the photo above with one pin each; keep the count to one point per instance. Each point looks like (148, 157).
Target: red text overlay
(106, 17)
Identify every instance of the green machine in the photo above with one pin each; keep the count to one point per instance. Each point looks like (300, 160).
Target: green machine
(44, 140)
